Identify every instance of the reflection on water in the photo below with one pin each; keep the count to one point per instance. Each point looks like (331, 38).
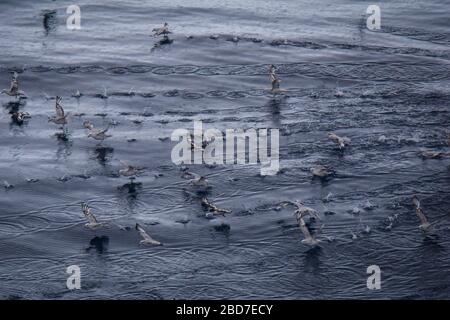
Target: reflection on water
(394, 105)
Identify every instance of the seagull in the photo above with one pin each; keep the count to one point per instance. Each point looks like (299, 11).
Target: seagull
(433, 154)
(77, 94)
(341, 141)
(164, 30)
(93, 223)
(14, 88)
(147, 239)
(195, 179)
(212, 207)
(321, 171)
(274, 80)
(129, 171)
(61, 117)
(425, 225)
(7, 185)
(97, 134)
(301, 212)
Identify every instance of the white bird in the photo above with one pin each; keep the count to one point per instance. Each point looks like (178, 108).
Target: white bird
(93, 223)
(424, 225)
(147, 239)
(61, 117)
(162, 31)
(97, 134)
(14, 88)
(340, 141)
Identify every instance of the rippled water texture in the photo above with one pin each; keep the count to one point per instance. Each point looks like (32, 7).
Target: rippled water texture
(395, 83)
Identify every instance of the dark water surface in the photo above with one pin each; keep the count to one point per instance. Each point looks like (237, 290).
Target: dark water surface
(395, 83)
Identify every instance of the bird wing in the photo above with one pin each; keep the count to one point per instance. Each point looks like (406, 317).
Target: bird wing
(124, 164)
(88, 125)
(421, 216)
(88, 214)
(191, 175)
(195, 176)
(14, 86)
(333, 137)
(416, 202)
(104, 130)
(304, 229)
(304, 211)
(143, 233)
(419, 212)
(59, 109)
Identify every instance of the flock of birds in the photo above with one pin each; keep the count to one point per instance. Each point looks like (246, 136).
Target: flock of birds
(301, 211)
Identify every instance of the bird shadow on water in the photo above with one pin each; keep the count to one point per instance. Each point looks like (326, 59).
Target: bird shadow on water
(13, 106)
(274, 108)
(102, 154)
(132, 188)
(64, 149)
(49, 21)
(163, 42)
(100, 244)
(312, 261)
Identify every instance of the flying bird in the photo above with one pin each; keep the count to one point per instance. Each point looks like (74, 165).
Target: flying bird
(97, 134)
(147, 239)
(129, 171)
(93, 223)
(212, 207)
(340, 141)
(424, 225)
(195, 179)
(60, 117)
(161, 31)
(14, 88)
(301, 212)
(274, 79)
